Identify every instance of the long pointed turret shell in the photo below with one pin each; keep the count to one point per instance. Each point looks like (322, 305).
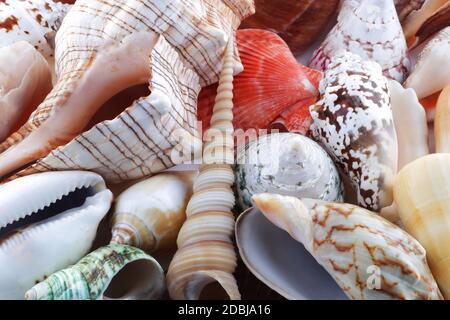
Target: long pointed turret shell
(410, 124)
(149, 214)
(367, 256)
(72, 205)
(113, 271)
(354, 121)
(25, 80)
(288, 164)
(205, 249)
(94, 35)
(442, 121)
(422, 197)
(432, 71)
(370, 29)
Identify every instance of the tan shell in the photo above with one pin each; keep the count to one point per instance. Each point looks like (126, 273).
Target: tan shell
(94, 35)
(422, 197)
(368, 257)
(205, 249)
(442, 121)
(25, 80)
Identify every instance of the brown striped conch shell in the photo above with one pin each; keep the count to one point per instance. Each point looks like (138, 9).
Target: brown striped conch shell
(354, 122)
(432, 71)
(25, 80)
(405, 7)
(35, 22)
(410, 124)
(149, 214)
(368, 257)
(433, 16)
(297, 22)
(442, 122)
(205, 250)
(64, 132)
(422, 197)
(370, 29)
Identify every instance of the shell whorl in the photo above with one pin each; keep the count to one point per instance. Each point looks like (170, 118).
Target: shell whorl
(91, 276)
(206, 252)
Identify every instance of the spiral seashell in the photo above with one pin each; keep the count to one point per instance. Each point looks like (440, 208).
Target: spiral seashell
(288, 164)
(422, 193)
(47, 221)
(205, 249)
(113, 271)
(369, 257)
(354, 122)
(405, 7)
(370, 29)
(174, 45)
(25, 80)
(149, 214)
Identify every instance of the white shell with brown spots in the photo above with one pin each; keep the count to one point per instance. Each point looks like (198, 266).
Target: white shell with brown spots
(354, 122)
(369, 257)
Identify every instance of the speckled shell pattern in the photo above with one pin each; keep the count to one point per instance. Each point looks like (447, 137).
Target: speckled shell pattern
(205, 249)
(369, 257)
(288, 164)
(370, 29)
(33, 21)
(152, 122)
(195, 32)
(354, 122)
(89, 278)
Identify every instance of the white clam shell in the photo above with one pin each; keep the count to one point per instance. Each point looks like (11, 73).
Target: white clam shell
(288, 164)
(54, 243)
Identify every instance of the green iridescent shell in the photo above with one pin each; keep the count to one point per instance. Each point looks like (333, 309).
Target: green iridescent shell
(93, 277)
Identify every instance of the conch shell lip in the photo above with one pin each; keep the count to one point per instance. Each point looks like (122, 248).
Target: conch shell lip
(261, 243)
(67, 195)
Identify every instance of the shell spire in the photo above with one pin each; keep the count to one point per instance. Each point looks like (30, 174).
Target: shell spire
(205, 249)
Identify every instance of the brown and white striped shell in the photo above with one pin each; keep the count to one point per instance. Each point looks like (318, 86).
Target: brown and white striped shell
(102, 49)
(354, 122)
(369, 257)
(370, 29)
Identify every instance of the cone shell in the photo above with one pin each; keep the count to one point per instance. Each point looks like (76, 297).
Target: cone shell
(432, 71)
(288, 164)
(442, 122)
(410, 124)
(367, 256)
(421, 194)
(25, 80)
(297, 22)
(149, 214)
(91, 37)
(111, 270)
(354, 122)
(47, 221)
(370, 29)
(272, 82)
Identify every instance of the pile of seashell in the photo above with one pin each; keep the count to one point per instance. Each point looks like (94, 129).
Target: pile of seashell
(153, 149)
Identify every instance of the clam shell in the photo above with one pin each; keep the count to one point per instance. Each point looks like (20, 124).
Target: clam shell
(56, 242)
(370, 29)
(113, 271)
(442, 122)
(288, 164)
(205, 252)
(149, 214)
(354, 122)
(367, 256)
(297, 22)
(93, 35)
(410, 123)
(273, 84)
(432, 71)
(421, 193)
(25, 80)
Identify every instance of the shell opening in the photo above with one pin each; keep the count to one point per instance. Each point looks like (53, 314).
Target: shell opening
(68, 203)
